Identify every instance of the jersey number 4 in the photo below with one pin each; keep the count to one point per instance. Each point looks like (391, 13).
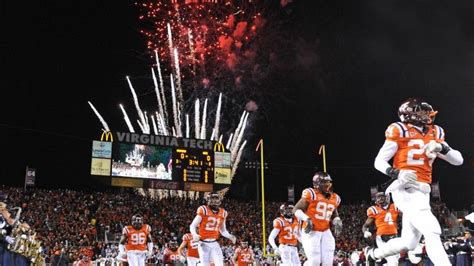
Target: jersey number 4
(324, 211)
(138, 238)
(388, 218)
(417, 150)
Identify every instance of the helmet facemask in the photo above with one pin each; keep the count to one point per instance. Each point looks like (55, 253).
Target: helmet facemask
(286, 211)
(382, 200)
(323, 183)
(214, 201)
(417, 112)
(137, 221)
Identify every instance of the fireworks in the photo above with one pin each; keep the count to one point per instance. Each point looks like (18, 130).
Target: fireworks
(173, 126)
(209, 35)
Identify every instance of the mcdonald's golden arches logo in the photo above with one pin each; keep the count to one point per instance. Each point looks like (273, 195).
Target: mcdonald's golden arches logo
(219, 147)
(106, 135)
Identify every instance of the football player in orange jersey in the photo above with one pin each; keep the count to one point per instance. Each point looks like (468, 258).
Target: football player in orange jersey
(171, 254)
(243, 255)
(139, 242)
(317, 208)
(192, 253)
(287, 230)
(385, 216)
(210, 221)
(413, 144)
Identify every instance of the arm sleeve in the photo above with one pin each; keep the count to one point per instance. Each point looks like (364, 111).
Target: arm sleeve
(453, 156)
(192, 228)
(272, 236)
(385, 154)
(224, 231)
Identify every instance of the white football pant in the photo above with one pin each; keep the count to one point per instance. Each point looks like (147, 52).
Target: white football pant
(319, 248)
(289, 255)
(210, 252)
(136, 257)
(391, 260)
(192, 261)
(417, 220)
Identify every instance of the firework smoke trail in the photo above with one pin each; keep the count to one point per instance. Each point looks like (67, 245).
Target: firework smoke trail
(213, 134)
(137, 106)
(176, 129)
(104, 124)
(196, 119)
(163, 98)
(239, 138)
(192, 53)
(236, 133)
(235, 163)
(203, 124)
(155, 129)
(220, 138)
(218, 117)
(187, 126)
(229, 141)
(163, 125)
(179, 89)
(170, 42)
(157, 91)
(127, 120)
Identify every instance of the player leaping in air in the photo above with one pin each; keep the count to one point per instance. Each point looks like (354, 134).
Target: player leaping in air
(210, 221)
(413, 144)
(317, 208)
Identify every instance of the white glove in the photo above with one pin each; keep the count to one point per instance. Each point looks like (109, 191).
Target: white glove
(432, 148)
(9, 239)
(407, 177)
(233, 239)
(367, 234)
(337, 223)
(182, 259)
(196, 238)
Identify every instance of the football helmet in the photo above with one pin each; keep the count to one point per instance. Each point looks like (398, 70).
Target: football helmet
(382, 199)
(286, 210)
(244, 244)
(417, 112)
(173, 245)
(323, 183)
(137, 221)
(214, 200)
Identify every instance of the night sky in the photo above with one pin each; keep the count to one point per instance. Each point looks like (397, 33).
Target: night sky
(351, 65)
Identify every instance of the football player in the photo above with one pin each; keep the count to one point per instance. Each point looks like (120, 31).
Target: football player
(413, 144)
(210, 222)
(192, 253)
(243, 255)
(385, 216)
(171, 254)
(317, 208)
(287, 230)
(139, 242)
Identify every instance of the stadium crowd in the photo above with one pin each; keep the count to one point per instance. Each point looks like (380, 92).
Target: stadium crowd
(72, 224)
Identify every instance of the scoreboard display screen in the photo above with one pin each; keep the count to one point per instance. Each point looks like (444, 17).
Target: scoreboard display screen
(193, 165)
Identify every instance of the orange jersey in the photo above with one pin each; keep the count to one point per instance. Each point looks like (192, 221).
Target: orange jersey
(410, 154)
(137, 239)
(385, 219)
(170, 256)
(244, 256)
(211, 222)
(288, 230)
(191, 246)
(320, 208)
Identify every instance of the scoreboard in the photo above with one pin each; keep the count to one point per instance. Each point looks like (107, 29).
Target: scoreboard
(175, 164)
(192, 165)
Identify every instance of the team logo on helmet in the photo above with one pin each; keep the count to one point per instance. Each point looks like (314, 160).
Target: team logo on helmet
(417, 112)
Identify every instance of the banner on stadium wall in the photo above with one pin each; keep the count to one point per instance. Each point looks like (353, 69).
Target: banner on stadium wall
(373, 192)
(435, 193)
(291, 193)
(30, 176)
